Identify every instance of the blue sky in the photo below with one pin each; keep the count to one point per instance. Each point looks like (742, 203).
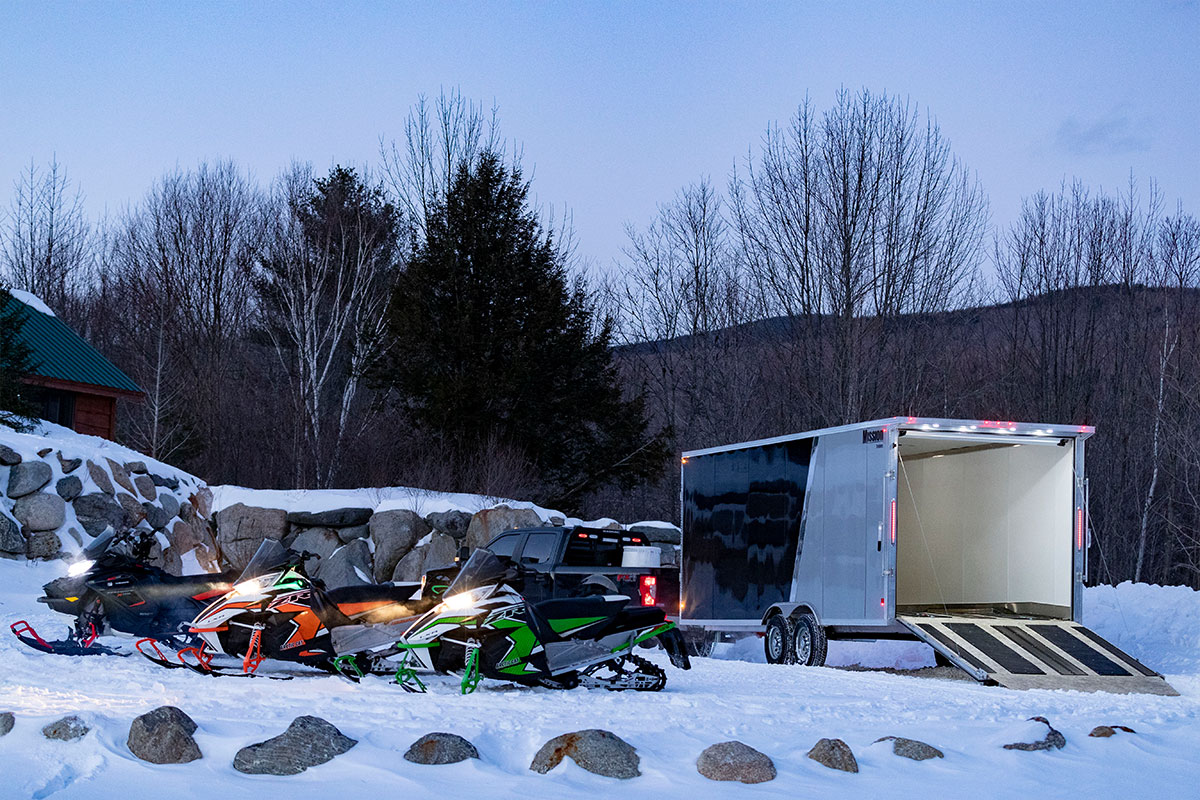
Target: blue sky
(617, 104)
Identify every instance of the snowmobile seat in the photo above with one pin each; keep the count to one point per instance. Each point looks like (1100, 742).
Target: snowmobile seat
(639, 616)
(371, 603)
(204, 584)
(541, 615)
(374, 593)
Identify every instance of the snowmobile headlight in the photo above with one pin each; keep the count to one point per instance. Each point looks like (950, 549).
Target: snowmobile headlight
(79, 567)
(246, 587)
(457, 602)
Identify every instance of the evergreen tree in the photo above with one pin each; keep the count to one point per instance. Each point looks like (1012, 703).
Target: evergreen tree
(488, 339)
(16, 362)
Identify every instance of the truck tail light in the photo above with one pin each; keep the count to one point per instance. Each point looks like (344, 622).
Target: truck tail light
(648, 590)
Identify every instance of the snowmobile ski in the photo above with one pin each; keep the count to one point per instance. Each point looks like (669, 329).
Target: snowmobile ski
(71, 646)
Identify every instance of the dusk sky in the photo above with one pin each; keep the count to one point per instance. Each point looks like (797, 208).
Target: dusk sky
(617, 105)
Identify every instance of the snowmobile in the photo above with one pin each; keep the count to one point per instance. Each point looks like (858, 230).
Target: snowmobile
(110, 587)
(558, 643)
(275, 610)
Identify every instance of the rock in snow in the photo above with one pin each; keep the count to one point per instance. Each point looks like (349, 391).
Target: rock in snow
(440, 748)
(597, 751)
(98, 511)
(911, 748)
(394, 534)
(491, 521)
(307, 742)
(734, 761)
(100, 478)
(164, 736)
(11, 540)
(43, 544)
(835, 754)
(241, 529)
(67, 729)
(8, 456)
(27, 477)
(1054, 739)
(350, 565)
(334, 518)
(69, 488)
(1105, 731)
(6, 722)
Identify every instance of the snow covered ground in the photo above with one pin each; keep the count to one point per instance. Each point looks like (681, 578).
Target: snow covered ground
(782, 711)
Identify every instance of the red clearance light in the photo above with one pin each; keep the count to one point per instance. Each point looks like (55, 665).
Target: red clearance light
(581, 535)
(635, 539)
(648, 590)
(881, 602)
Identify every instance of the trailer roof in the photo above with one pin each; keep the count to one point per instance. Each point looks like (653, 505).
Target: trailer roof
(983, 426)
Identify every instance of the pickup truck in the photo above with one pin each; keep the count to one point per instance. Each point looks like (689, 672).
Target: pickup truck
(557, 560)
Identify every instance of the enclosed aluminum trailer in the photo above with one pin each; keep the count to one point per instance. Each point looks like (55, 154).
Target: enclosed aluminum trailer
(970, 535)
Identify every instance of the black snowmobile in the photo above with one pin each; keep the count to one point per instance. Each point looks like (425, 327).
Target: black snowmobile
(112, 588)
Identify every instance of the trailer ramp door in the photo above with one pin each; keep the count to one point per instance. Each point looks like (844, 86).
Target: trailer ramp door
(1035, 654)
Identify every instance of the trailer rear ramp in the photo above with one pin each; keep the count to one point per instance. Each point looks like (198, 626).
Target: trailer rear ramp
(1035, 654)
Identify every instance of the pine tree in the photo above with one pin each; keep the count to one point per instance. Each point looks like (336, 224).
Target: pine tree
(16, 362)
(489, 339)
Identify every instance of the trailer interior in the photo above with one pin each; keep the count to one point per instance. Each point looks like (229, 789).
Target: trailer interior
(984, 525)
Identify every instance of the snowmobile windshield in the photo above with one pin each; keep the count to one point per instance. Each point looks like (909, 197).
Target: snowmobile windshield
(483, 568)
(270, 557)
(99, 545)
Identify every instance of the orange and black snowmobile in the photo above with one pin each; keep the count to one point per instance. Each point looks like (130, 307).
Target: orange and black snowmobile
(276, 611)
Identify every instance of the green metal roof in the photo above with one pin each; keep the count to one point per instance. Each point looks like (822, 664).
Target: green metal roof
(63, 354)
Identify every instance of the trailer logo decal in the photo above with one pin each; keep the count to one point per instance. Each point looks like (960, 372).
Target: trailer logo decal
(872, 437)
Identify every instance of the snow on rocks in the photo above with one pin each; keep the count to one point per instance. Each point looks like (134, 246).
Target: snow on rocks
(307, 742)
(440, 748)
(163, 736)
(67, 729)
(735, 761)
(598, 751)
(835, 754)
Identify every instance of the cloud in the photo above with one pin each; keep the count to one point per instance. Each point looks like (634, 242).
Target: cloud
(1115, 134)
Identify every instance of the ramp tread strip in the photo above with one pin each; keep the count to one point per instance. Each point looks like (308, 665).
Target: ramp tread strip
(1007, 658)
(954, 647)
(1116, 651)
(1041, 652)
(1078, 649)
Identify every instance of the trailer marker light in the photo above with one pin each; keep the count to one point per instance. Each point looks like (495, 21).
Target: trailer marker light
(881, 603)
(581, 535)
(648, 590)
(893, 522)
(1079, 529)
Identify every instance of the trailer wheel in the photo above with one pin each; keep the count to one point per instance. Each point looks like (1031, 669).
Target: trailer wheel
(808, 641)
(777, 642)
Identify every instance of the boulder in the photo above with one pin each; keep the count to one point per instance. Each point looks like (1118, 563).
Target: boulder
(202, 500)
(137, 468)
(98, 511)
(27, 477)
(322, 541)
(911, 748)
(440, 748)
(6, 722)
(43, 544)
(12, 541)
(734, 761)
(133, 509)
(1054, 740)
(597, 751)
(45, 451)
(451, 523)
(835, 754)
(156, 516)
(350, 565)
(186, 511)
(146, 487)
(120, 476)
(41, 511)
(168, 503)
(241, 528)
(67, 729)
(8, 456)
(439, 551)
(1105, 731)
(394, 534)
(69, 464)
(334, 518)
(100, 478)
(307, 742)
(69, 488)
(164, 736)
(348, 535)
(668, 555)
(666, 534)
(491, 521)
(169, 483)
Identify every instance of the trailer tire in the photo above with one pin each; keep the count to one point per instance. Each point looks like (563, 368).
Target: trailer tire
(777, 641)
(809, 643)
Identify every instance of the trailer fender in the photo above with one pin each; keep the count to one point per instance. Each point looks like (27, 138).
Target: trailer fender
(791, 610)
